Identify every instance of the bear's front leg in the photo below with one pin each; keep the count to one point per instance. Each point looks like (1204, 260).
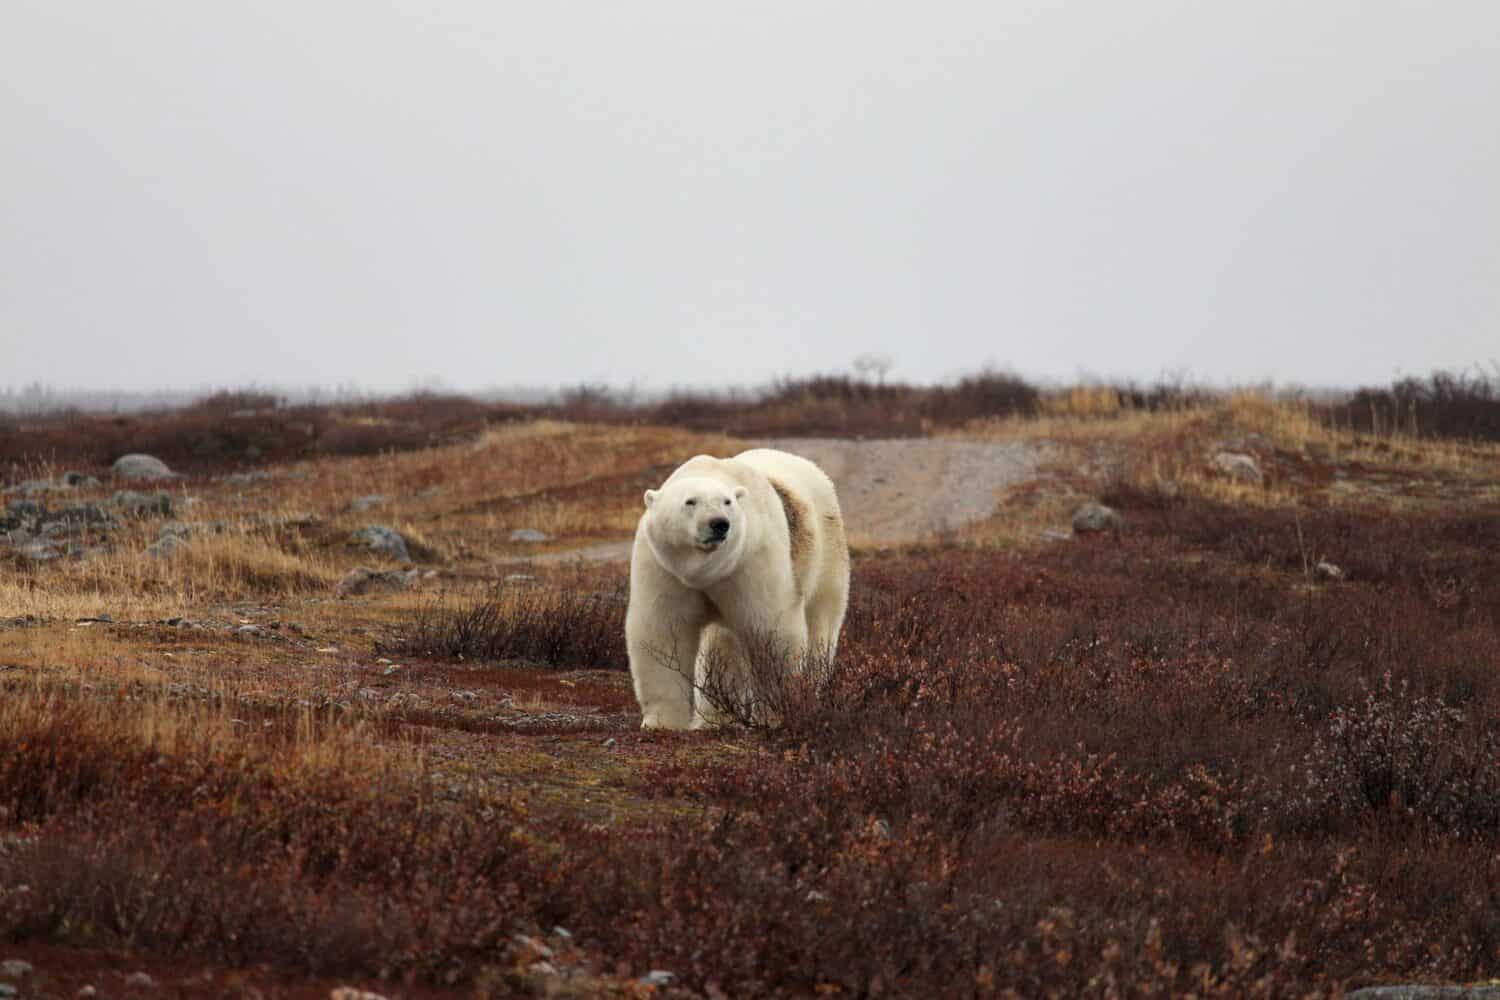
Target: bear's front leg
(662, 655)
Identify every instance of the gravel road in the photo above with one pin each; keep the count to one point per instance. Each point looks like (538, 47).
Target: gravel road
(899, 490)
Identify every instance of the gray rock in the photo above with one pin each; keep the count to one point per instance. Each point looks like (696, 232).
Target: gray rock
(79, 515)
(25, 509)
(1096, 517)
(15, 968)
(7, 991)
(79, 480)
(363, 580)
(658, 977)
(246, 478)
(34, 487)
(384, 541)
(174, 529)
(367, 502)
(1054, 535)
(167, 546)
(135, 504)
(1237, 466)
(38, 550)
(1326, 570)
(142, 468)
(529, 535)
(142, 979)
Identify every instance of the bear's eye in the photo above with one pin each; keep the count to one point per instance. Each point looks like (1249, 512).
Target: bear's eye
(692, 503)
(727, 501)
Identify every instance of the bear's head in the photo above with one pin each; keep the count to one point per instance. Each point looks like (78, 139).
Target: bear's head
(696, 520)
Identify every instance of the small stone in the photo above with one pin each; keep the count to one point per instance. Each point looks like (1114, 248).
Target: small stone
(367, 502)
(383, 661)
(15, 968)
(79, 480)
(466, 696)
(533, 948)
(246, 478)
(351, 993)
(1326, 570)
(87, 990)
(1237, 466)
(529, 535)
(142, 468)
(142, 979)
(1054, 535)
(394, 668)
(610, 742)
(8, 992)
(1424, 992)
(1096, 517)
(658, 977)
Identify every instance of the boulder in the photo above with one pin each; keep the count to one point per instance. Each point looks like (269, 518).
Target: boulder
(383, 540)
(142, 468)
(529, 535)
(79, 480)
(134, 504)
(79, 515)
(363, 580)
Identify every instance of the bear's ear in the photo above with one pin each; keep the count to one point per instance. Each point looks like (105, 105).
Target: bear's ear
(650, 497)
(740, 492)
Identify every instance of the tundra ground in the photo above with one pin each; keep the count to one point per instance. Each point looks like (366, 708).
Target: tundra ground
(1173, 758)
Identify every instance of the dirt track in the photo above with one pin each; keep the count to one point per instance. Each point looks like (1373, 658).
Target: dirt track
(905, 489)
(897, 490)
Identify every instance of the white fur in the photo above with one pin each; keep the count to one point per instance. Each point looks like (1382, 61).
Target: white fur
(692, 600)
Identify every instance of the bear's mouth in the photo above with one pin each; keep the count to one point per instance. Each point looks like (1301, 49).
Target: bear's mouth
(710, 544)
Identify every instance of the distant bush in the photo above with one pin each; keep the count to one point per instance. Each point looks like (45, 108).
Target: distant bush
(228, 401)
(1444, 404)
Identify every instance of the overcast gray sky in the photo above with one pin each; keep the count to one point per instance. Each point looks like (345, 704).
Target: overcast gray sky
(702, 192)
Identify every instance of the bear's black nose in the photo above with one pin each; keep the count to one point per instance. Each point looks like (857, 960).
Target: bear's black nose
(719, 526)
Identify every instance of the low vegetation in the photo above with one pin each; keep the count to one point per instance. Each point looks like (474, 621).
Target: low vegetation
(1243, 746)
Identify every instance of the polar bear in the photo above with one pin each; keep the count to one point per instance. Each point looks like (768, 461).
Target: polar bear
(729, 549)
